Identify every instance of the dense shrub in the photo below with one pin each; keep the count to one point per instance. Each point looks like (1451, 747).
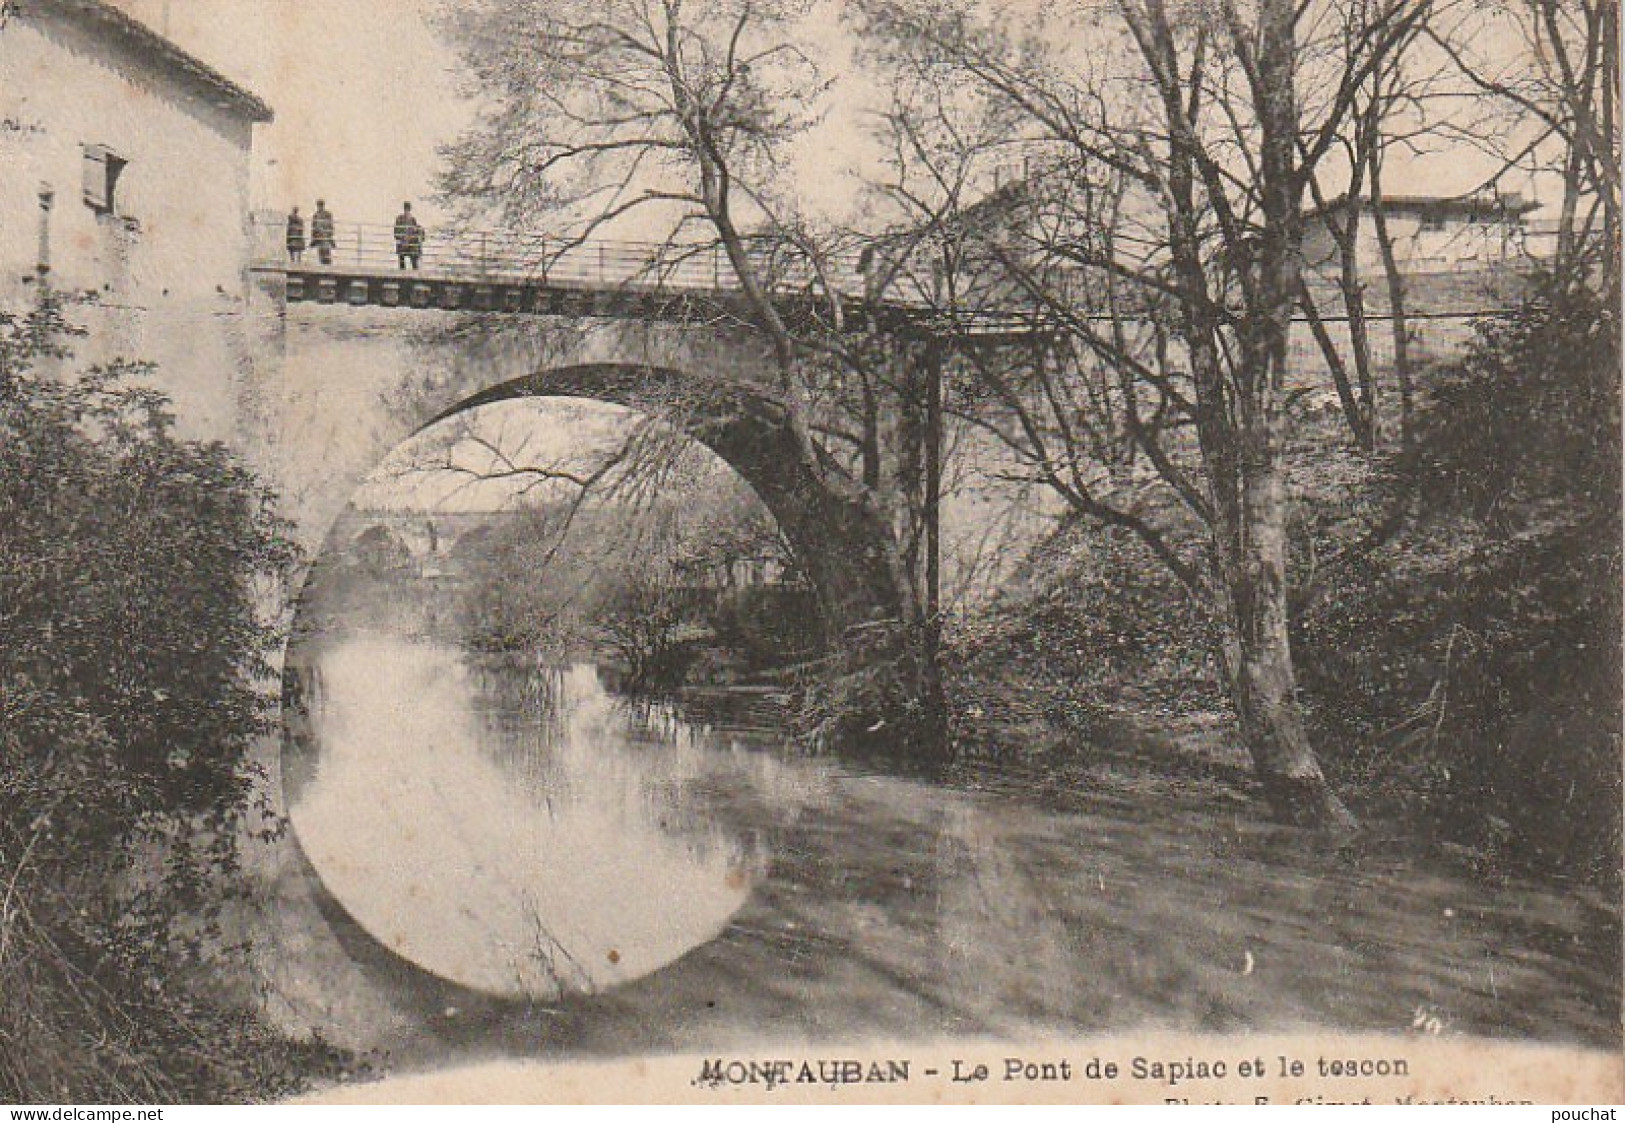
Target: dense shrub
(641, 621)
(1529, 415)
(528, 583)
(874, 698)
(132, 659)
(766, 626)
(1469, 669)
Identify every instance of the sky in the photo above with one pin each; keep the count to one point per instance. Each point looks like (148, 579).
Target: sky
(365, 91)
(573, 435)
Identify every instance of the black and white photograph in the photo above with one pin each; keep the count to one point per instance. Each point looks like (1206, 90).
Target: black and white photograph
(810, 551)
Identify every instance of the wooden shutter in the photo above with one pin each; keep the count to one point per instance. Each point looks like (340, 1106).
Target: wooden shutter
(95, 178)
(101, 168)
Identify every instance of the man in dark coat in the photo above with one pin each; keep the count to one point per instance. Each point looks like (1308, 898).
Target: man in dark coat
(296, 236)
(322, 232)
(408, 237)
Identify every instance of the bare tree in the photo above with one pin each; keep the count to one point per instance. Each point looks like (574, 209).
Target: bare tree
(597, 108)
(1563, 87)
(1157, 232)
(1396, 107)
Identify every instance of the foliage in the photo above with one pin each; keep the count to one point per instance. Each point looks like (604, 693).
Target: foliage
(875, 696)
(767, 625)
(641, 620)
(1530, 414)
(527, 584)
(1094, 626)
(1470, 668)
(132, 661)
(607, 105)
(642, 573)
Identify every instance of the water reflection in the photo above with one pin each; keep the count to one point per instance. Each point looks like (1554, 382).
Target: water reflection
(512, 829)
(509, 829)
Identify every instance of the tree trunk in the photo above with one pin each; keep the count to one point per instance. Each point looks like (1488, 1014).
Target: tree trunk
(1352, 413)
(910, 440)
(1256, 656)
(1399, 322)
(1250, 530)
(871, 434)
(1353, 291)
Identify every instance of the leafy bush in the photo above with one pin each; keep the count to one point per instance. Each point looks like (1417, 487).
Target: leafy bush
(1529, 415)
(641, 621)
(767, 626)
(1094, 609)
(529, 582)
(1470, 667)
(132, 659)
(873, 698)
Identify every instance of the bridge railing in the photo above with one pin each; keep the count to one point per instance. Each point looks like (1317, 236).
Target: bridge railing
(599, 263)
(456, 254)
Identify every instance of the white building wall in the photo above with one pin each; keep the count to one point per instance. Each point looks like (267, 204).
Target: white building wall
(1420, 247)
(167, 266)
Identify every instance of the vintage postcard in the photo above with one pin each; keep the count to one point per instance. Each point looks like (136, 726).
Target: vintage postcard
(810, 551)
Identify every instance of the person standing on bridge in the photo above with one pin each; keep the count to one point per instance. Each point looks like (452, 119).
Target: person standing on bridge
(408, 237)
(296, 236)
(322, 232)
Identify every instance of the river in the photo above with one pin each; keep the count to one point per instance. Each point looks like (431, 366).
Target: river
(517, 862)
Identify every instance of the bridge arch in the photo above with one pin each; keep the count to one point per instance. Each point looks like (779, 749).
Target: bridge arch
(378, 548)
(840, 540)
(334, 388)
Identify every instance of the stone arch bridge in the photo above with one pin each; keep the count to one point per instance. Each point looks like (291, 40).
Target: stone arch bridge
(338, 381)
(348, 359)
(347, 362)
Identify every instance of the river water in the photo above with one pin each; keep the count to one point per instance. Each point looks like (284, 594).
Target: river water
(513, 828)
(519, 862)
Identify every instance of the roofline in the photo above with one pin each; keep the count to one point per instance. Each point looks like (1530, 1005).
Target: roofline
(1513, 205)
(131, 32)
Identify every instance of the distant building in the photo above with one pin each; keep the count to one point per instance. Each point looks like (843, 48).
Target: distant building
(1429, 232)
(124, 172)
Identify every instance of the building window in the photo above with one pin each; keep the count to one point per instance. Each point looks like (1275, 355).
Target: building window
(102, 168)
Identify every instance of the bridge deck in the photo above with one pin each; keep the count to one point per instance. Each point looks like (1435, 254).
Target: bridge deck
(476, 270)
(519, 273)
